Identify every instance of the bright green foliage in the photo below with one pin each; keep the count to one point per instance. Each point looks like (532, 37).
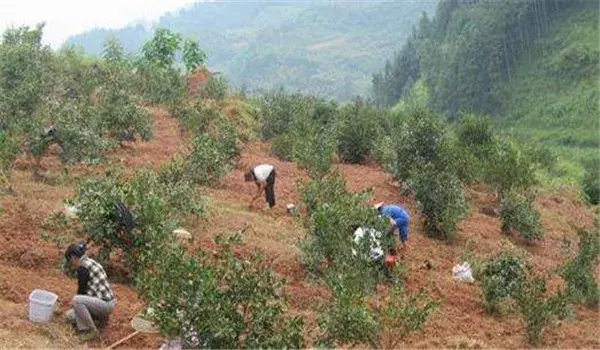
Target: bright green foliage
(501, 279)
(537, 309)
(509, 169)
(159, 85)
(475, 132)
(422, 140)
(24, 74)
(356, 130)
(402, 314)
(333, 215)
(212, 156)
(215, 89)
(120, 115)
(113, 54)
(161, 49)
(279, 111)
(9, 149)
(195, 117)
(313, 147)
(591, 180)
(218, 302)
(441, 201)
(580, 271)
(348, 320)
(155, 200)
(517, 213)
(193, 56)
(282, 146)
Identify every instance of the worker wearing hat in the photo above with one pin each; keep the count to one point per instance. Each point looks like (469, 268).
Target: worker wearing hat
(399, 219)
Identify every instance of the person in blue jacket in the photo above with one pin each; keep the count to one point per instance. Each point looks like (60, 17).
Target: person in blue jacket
(399, 219)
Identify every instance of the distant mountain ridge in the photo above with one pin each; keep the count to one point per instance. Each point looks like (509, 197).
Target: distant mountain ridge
(328, 48)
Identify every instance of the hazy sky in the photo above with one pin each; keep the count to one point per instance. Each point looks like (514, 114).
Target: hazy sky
(67, 17)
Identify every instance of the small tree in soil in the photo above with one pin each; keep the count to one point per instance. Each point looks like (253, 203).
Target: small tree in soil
(218, 301)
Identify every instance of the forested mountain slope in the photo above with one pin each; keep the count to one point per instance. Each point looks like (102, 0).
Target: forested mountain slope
(532, 65)
(328, 48)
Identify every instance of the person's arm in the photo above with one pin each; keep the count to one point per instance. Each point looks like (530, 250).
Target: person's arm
(83, 277)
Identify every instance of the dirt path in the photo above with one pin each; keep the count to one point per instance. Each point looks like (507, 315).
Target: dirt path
(28, 262)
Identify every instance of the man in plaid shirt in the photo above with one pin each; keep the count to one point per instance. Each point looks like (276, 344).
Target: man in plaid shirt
(95, 299)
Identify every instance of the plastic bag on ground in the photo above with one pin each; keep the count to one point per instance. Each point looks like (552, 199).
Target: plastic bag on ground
(463, 273)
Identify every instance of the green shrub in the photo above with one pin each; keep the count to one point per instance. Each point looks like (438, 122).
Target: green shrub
(579, 271)
(476, 132)
(333, 214)
(348, 320)
(537, 309)
(517, 213)
(218, 302)
(591, 181)
(500, 279)
(211, 156)
(313, 147)
(441, 201)
(279, 110)
(215, 89)
(509, 169)
(402, 314)
(9, 149)
(118, 114)
(383, 153)
(356, 130)
(194, 117)
(422, 141)
(155, 204)
(282, 146)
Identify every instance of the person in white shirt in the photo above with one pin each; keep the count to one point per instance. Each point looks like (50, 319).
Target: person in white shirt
(376, 253)
(263, 176)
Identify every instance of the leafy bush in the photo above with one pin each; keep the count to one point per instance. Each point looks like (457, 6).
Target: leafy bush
(509, 169)
(402, 314)
(215, 89)
(356, 130)
(441, 201)
(313, 150)
(538, 310)
(476, 132)
(383, 153)
(517, 213)
(194, 117)
(118, 114)
(282, 146)
(155, 203)
(501, 278)
(279, 112)
(579, 271)
(218, 302)
(422, 141)
(9, 149)
(211, 156)
(349, 320)
(591, 181)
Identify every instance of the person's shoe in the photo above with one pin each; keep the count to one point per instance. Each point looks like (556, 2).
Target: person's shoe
(88, 335)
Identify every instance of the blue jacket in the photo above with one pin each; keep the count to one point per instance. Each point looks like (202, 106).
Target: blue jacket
(395, 212)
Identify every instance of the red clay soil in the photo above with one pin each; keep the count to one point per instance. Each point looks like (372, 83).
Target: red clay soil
(28, 262)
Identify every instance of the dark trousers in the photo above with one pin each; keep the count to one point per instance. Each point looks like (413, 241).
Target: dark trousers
(270, 189)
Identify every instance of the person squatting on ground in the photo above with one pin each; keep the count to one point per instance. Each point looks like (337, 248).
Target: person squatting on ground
(263, 176)
(399, 219)
(95, 299)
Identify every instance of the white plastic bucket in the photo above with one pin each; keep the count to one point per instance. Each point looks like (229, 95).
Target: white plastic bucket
(41, 305)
